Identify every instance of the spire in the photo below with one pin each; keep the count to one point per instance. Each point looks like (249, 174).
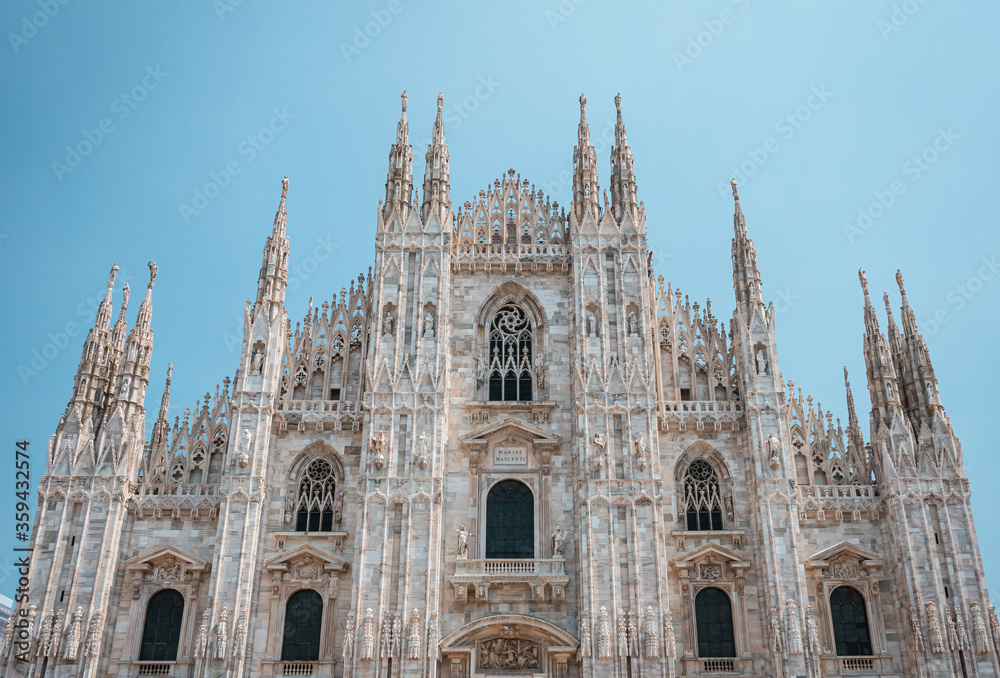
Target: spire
(585, 188)
(399, 180)
(103, 319)
(436, 184)
(274, 265)
(916, 370)
(623, 185)
(883, 384)
(746, 275)
(856, 454)
(162, 426)
(145, 315)
(896, 343)
(906, 314)
(852, 415)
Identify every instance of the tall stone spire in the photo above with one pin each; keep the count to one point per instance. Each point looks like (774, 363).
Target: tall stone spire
(623, 184)
(585, 188)
(914, 361)
(162, 426)
(883, 384)
(746, 274)
(274, 267)
(103, 319)
(133, 376)
(855, 436)
(436, 184)
(399, 180)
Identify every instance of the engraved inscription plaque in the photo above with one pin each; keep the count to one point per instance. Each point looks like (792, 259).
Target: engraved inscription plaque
(510, 456)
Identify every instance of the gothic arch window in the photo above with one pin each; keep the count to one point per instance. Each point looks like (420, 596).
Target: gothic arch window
(303, 619)
(314, 502)
(162, 632)
(714, 620)
(850, 622)
(702, 496)
(510, 359)
(510, 521)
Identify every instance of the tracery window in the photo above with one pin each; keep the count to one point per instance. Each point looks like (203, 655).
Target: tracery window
(303, 619)
(702, 497)
(850, 622)
(510, 521)
(510, 360)
(314, 502)
(162, 632)
(714, 620)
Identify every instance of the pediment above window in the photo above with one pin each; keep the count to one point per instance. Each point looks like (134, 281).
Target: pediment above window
(711, 562)
(305, 563)
(510, 445)
(167, 564)
(845, 560)
(510, 427)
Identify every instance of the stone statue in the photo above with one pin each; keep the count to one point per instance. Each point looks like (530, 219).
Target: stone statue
(256, 362)
(773, 446)
(387, 323)
(963, 635)
(201, 644)
(934, 624)
(422, 446)
(600, 446)
(640, 446)
(170, 569)
(378, 445)
(775, 631)
(953, 642)
(463, 541)
(591, 324)
(980, 638)
(651, 634)
(243, 452)
(916, 630)
(994, 625)
(557, 542)
(812, 632)
(669, 642)
(428, 326)
(349, 635)
(338, 507)
(603, 635)
(794, 630)
(585, 649)
(480, 371)
(761, 362)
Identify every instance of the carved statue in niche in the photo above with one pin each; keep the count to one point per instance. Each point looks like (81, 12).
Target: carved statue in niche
(169, 569)
(463, 541)
(558, 539)
(387, 323)
(338, 507)
(640, 447)
(508, 654)
(600, 446)
(243, 449)
(916, 630)
(422, 447)
(480, 371)
(256, 361)
(429, 326)
(761, 361)
(633, 634)
(378, 446)
(591, 324)
(633, 325)
(775, 631)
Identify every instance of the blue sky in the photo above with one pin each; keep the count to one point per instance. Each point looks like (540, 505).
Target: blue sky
(823, 109)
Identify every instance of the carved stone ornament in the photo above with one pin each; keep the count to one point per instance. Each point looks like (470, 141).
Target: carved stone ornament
(169, 569)
(368, 635)
(603, 635)
(934, 629)
(508, 654)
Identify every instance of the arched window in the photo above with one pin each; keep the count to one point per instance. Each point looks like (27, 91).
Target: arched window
(702, 497)
(303, 618)
(314, 503)
(714, 618)
(850, 622)
(162, 632)
(510, 357)
(510, 521)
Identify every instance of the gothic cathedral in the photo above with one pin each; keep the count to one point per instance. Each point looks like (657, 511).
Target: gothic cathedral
(510, 449)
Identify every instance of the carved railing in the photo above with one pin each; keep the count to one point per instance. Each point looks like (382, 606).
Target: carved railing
(833, 501)
(512, 567)
(341, 406)
(513, 255)
(338, 414)
(297, 669)
(858, 664)
(155, 669)
(838, 491)
(719, 666)
(545, 578)
(704, 414)
(176, 497)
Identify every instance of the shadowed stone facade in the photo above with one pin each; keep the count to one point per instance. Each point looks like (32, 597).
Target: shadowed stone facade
(510, 449)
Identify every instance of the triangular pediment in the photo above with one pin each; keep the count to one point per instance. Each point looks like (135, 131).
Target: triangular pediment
(158, 557)
(710, 552)
(863, 555)
(510, 427)
(307, 552)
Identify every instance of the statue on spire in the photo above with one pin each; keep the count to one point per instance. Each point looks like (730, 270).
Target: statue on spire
(152, 272)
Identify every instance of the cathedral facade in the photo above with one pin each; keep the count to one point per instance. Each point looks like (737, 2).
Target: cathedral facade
(509, 449)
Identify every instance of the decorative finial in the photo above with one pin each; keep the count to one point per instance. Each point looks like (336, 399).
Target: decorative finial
(899, 281)
(284, 187)
(114, 273)
(170, 372)
(152, 272)
(846, 380)
(864, 281)
(736, 194)
(618, 103)
(440, 101)
(125, 293)
(404, 101)
(888, 306)
(583, 103)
